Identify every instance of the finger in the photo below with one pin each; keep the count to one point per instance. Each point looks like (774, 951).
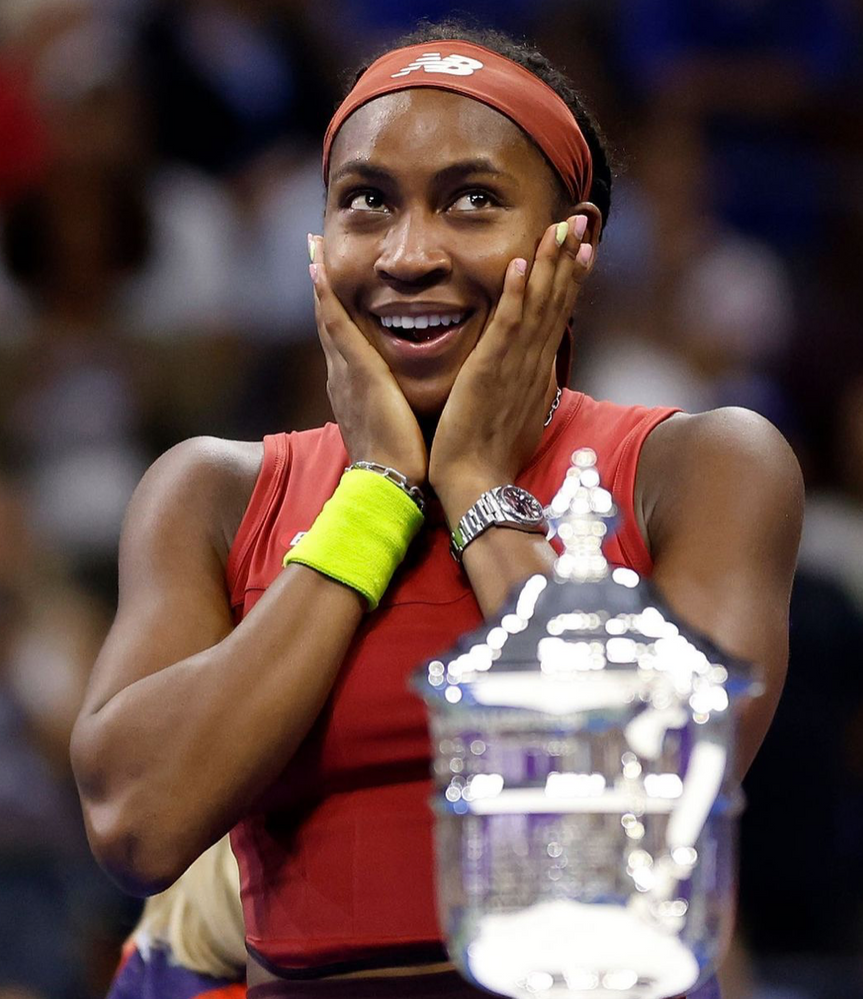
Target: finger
(334, 324)
(574, 265)
(506, 319)
(328, 309)
(330, 352)
(541, 282)
(575, 258)
(346, 347)
(324, 336)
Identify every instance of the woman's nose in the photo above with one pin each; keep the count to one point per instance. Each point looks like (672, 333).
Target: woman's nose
(413, 252)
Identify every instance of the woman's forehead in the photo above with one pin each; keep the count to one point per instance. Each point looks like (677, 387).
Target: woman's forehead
(411, 124)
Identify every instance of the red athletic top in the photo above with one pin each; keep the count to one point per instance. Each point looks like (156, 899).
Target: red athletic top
(336, 860)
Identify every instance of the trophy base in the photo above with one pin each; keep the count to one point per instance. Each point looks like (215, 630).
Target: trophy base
(579, 950)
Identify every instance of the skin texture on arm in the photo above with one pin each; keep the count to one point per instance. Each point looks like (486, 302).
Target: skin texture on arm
(188, 719)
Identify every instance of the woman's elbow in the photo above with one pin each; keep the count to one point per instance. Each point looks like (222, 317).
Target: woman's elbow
(126, 838)
(139, 864)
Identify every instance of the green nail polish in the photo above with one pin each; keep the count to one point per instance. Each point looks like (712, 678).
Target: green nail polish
(560, 232)
(312, 250)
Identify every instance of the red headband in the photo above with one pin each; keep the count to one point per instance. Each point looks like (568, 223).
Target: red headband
(487, 77)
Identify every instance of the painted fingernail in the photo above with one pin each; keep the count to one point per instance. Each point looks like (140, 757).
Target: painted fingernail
(520, 265)
(585, 254)
(311, 248)
(561, 229)
(313, 271)
(580, 226)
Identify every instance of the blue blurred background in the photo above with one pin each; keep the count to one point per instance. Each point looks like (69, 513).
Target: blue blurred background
(159, 169)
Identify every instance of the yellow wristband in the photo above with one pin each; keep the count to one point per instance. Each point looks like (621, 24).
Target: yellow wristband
(361, 535)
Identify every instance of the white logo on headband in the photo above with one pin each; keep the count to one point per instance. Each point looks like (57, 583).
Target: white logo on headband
(431, 62)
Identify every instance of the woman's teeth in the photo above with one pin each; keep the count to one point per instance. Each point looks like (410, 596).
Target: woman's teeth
(420, 322)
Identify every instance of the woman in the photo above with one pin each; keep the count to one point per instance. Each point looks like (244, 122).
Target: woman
(464, 207)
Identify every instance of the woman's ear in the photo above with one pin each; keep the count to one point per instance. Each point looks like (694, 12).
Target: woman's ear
(594, 221)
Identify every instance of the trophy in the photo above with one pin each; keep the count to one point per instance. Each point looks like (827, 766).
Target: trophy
(585, 803)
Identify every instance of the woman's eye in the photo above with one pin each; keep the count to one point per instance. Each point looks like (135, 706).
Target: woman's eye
(367, 201)
(473, 201)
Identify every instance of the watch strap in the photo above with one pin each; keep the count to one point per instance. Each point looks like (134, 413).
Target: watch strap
(488, 512)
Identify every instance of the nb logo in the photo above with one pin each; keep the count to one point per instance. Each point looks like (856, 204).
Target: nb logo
(431, 62)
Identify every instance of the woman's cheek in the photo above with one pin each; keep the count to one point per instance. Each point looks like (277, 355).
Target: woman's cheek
(340, 252)
(489, 264)
(345, 278)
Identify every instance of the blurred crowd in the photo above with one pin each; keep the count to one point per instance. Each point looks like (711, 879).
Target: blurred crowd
(159, 170)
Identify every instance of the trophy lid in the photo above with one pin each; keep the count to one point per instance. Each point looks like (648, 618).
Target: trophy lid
(589, 637)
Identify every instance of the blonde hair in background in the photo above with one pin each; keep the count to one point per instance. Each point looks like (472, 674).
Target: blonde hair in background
(200, 916)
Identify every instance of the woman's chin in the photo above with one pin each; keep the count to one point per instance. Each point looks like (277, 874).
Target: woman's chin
(427, 400)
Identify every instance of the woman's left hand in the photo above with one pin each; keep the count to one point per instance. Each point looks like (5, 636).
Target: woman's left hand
(493, 420)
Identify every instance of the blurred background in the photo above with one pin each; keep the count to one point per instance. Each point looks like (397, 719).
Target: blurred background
(159, 169)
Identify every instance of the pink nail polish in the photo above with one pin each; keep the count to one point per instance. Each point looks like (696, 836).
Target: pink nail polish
(520, 265)
(580, 226)
(585, 254)
(313, 270)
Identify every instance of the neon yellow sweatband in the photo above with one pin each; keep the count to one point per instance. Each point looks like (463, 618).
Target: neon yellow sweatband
(361, 535)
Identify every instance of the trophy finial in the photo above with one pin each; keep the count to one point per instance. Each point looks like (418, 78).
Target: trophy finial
(581, 514)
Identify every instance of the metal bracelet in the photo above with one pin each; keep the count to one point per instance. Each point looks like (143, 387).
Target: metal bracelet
(397, 479)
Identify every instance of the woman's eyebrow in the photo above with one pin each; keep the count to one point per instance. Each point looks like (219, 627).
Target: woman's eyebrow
(363, 169)
(465, 168)
(448, 174)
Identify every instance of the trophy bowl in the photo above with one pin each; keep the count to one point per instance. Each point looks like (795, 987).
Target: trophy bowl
(585, 799)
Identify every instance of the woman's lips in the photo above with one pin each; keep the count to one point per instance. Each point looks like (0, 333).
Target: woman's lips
(415, 324)
(420, 344)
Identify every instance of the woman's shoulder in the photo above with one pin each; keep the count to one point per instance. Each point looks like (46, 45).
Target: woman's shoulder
(219, 462)
(210, 466)
(215, 457)
(720, 435)
(690, 464)
(204, 483)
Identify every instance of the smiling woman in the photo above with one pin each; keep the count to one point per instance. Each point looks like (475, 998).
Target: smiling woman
(274, 603)
(432, 234)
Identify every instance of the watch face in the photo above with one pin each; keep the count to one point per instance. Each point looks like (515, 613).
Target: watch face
(524, 505)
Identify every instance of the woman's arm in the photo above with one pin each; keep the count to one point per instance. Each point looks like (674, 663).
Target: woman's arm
(494, 417)
(500, 558)
(720, 503)
(187, 719)
(722, 499)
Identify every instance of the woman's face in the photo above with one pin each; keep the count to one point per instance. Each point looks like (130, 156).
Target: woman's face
(431, 195)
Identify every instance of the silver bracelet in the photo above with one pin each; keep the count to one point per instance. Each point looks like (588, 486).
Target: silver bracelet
(397, 479)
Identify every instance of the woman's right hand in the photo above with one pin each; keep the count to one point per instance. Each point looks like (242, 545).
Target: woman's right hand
(374, 418)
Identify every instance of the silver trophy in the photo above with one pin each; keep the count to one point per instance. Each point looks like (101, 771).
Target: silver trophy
(586, 808)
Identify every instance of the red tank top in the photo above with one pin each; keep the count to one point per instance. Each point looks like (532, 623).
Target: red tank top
(336, 859)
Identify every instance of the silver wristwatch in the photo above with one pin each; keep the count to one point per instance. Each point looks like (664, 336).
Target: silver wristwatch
(503, 506)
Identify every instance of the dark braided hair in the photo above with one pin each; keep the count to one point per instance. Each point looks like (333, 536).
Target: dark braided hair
(525, 55)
